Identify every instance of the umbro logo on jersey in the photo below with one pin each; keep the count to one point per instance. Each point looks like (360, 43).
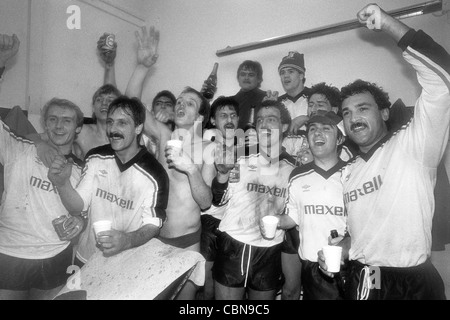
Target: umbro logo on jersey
(260, 188)
(252, 167)
(367, 188)
(102, 173)
(306, 187)
(42, 184)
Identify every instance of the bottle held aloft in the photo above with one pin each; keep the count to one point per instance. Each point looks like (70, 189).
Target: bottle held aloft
(211, 83)
(251, 137)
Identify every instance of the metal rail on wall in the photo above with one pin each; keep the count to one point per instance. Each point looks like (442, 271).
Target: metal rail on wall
(403, 13)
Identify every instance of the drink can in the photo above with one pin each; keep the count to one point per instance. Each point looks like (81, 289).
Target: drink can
(109, 42)
(59, 225)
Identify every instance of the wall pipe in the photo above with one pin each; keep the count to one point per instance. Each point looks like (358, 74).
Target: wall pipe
(403, 13)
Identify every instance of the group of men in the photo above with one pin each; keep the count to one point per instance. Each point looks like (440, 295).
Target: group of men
(210, 196)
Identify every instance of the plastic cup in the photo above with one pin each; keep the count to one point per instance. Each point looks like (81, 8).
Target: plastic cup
(332, 256)
(102, 225)
(270, 226)
(175, 144)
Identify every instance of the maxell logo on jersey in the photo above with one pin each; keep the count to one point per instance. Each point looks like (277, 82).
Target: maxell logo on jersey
(321, 209)
(126, 204)
(367, 188)
(277, 192)
(42, 184)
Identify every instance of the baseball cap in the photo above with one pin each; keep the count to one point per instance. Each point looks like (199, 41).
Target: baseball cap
(293, 60)
(325, 117)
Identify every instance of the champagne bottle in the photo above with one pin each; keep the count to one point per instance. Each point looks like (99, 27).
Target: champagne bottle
(251, 120)
(211, 83)
(250, 131)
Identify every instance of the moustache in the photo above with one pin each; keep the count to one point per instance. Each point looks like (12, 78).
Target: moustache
(357, 124)
(229, 126)
(115, 135)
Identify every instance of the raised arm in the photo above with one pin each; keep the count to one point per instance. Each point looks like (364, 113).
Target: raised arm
(107, 51)
(146, 57)
(147, 46)
(376, 18)
(9, 46)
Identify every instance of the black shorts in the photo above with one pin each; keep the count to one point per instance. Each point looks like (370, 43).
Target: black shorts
(208, 243)
(43, 274)
(240, 265)
(291, 241)
(422, 282)
(318, 286)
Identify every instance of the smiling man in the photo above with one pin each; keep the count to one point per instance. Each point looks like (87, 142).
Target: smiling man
(389, 187)
(318, 208)
(245, 260)
(121, 182)
(33, 258)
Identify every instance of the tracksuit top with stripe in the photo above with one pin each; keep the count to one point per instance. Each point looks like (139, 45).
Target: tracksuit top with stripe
(260, 192)
(316, 205)
(130, 195)
(30, 201)
(388, 192)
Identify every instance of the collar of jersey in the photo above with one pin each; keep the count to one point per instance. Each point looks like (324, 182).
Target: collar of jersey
(125, 166)
(328, 173)
(294, 99)
(366, 156)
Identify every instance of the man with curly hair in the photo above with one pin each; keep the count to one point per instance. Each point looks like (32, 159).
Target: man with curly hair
(388, 188)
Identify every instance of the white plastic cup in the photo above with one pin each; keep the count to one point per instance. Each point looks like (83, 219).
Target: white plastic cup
(332, 256)
(175, 144)
(102, 225)
(270, 226)
(178, 144)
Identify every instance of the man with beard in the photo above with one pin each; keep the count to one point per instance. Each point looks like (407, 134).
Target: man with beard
(388, 188)
(121, 182)
(246, 262)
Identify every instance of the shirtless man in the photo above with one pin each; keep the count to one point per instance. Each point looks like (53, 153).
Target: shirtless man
(188, 193)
